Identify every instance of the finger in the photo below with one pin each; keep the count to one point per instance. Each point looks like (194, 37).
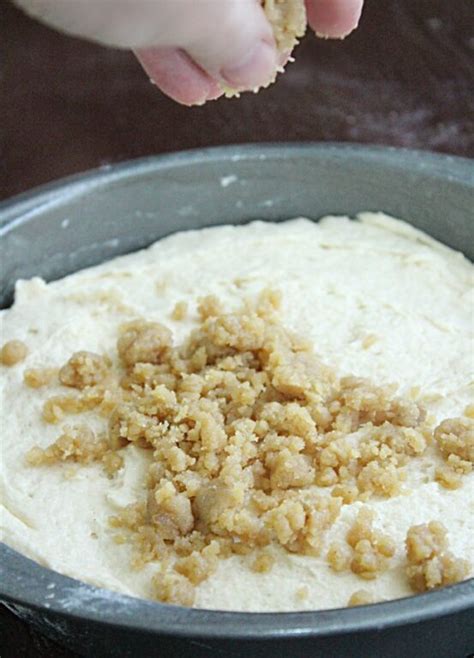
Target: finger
(239, 49)
(334, 18)
(173, 71)
(229, 39)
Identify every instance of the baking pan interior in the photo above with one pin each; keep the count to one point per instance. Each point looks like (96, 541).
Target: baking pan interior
(85, 220)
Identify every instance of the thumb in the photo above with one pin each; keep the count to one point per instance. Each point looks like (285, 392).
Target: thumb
(238, 48)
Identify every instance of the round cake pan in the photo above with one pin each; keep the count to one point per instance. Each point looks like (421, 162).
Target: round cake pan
(87, 219)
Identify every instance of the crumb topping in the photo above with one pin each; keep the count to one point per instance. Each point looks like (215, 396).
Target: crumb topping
(84, 369)
(172, 587)
(455, 440)
(39, 377)
(367, 551)
(361, 597)
(288, 19)
(430, 564)
(469, 411)
(263, 562)
(143, 342)
(13, 352)
(179, 311)
(254, 443)
(76, 444)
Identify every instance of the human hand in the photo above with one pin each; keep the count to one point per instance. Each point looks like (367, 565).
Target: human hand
(192, 48)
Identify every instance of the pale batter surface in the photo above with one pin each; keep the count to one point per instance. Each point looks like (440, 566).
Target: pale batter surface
(376, 298)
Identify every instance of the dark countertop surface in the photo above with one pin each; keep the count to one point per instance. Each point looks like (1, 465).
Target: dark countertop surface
(405, 78)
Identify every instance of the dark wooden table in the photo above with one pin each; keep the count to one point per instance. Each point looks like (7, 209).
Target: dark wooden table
(405, 78)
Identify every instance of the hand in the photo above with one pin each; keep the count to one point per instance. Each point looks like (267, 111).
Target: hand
(190, 48)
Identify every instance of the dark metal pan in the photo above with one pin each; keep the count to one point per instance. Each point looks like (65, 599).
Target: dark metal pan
(86, 219)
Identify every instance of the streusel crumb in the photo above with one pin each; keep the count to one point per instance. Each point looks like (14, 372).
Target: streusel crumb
(469, 411)
(366, 552)
(288, 19)
(142, 342)
(179, 311)
(448, 478)
(84, 369)
(56, 407)
(13, 352)
(455, 439)
(78, 444)
(430, 564)
(172, 587)
(361, 597)
(39, 377)
(339, 556)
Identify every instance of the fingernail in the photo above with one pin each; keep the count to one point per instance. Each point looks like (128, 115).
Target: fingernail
(337, 32)
(216, 95)
(257, 68)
